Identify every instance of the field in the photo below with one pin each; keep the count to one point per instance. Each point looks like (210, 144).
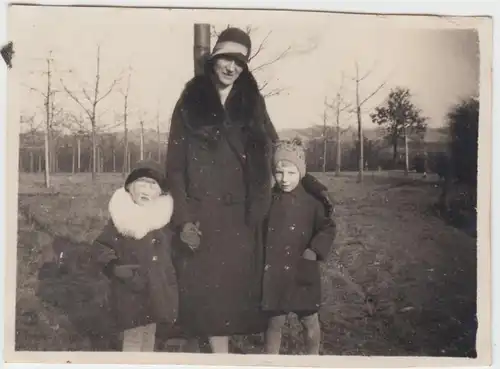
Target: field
(400, 281)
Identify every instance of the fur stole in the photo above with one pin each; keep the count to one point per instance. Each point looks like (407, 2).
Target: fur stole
(137, 221)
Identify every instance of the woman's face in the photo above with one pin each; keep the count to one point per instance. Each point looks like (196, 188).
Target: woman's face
(227, 70)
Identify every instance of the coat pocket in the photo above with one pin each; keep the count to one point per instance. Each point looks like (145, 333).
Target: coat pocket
(307, 272)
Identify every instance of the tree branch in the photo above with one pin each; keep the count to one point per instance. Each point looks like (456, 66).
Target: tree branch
(279, 57)
(113, 84)
(260, 48)
(373, 93)
(74, 98)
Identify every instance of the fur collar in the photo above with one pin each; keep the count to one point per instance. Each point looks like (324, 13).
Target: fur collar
(137, 221)
(204, 114)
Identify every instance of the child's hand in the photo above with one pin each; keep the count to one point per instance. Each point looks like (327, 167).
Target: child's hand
(125, 271)
(309, 255)
(190, 235)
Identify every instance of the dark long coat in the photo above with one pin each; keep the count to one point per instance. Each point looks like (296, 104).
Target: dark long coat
(219, 172)
(218, 167)
(157, 300)
(296, 221)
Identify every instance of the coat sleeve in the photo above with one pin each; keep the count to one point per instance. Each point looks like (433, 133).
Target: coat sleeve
(324, 232)
(176, 167)
(104, 247)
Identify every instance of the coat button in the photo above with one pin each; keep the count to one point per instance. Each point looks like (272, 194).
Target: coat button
(155, 258)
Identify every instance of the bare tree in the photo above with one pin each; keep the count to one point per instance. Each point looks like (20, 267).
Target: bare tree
(339, 106)
(30, 131)
(125, 94)
(48, 96)
(359, 104)
(89, 104)
(158, 135)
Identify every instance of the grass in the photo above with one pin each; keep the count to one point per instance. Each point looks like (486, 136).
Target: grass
(400, 281)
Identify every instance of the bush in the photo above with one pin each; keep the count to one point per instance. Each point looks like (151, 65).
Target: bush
(463, 120)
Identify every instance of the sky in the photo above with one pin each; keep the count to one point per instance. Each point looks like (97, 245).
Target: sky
(439, 65)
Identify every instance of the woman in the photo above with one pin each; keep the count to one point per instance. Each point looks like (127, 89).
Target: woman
(219, 168)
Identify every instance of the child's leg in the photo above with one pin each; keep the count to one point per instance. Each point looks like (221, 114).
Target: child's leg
(139, 338)
(132, 339)
(219, 344)
(148, 338)
(273, 334)
(312, 333)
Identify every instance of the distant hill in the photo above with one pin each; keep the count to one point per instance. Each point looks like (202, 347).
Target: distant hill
(316, 132)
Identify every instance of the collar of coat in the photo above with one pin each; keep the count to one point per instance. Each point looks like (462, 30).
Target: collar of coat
(203, 111)
(137, 221)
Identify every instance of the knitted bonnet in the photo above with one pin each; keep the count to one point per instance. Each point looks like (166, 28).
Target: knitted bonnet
(293, 152)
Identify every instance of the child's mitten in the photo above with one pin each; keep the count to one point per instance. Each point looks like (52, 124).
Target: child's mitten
(190, 235)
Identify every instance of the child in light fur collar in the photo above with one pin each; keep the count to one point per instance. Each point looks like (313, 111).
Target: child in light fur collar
(134, 250)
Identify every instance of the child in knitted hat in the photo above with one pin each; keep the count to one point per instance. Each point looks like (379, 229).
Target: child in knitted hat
(134, 250)
(299, 235)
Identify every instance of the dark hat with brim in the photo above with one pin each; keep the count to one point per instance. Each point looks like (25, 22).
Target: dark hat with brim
(234, 43)
(147, 169)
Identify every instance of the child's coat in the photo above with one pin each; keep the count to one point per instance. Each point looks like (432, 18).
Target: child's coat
(138, 235)
(296, 221)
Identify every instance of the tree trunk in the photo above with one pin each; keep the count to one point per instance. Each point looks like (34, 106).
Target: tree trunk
(47, 148)
(159, 138)
(98, 159)
(361, 148)
(94, 152)
(32, 164)
(39, 163)
(126, 156)
(114, 161)
(142, 141)
(73, 158)
(394, 152)
(339, 150)
(407, 164)
(79, 155)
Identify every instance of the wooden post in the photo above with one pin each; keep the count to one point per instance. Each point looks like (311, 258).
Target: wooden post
(201, 46)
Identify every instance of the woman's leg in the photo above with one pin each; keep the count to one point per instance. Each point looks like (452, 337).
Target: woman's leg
(273, 334)
(312, 333)
(219, 344)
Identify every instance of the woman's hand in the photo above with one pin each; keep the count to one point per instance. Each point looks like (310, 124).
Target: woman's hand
(190, 235)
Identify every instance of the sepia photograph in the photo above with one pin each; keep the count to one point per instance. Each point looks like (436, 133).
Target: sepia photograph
(286, 186)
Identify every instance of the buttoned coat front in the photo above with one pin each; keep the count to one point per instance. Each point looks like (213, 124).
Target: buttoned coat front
(296, 221)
